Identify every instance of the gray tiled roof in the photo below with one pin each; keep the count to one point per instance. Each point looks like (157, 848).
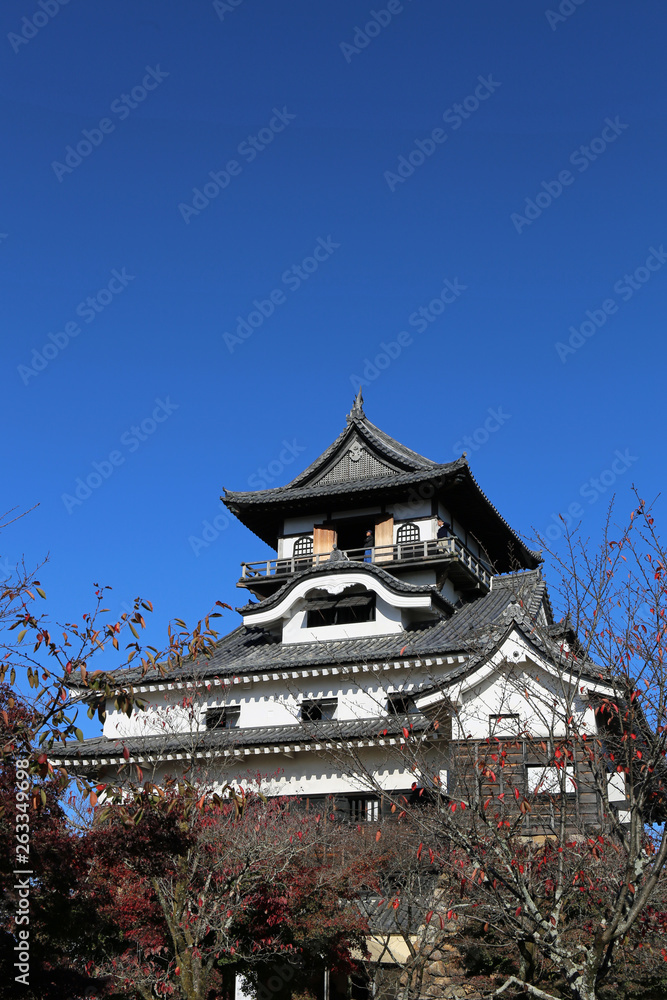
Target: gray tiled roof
(197, 743)
(253, 650)
(291, 492)
(408, 917)
(263, 510)
(385, 445)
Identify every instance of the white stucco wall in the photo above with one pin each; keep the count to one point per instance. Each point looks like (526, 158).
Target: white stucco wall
(313, 771)
(387, 620)
(266, 700)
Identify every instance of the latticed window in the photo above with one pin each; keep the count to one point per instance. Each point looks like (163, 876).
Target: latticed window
(408, 533)
(364, 810)
(223, 718)
(303, 546)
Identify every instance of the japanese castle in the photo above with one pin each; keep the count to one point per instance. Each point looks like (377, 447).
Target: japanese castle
(350, 643)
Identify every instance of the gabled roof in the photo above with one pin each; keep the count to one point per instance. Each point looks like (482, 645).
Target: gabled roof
(361, 458)
(364, 467)
(386, 450)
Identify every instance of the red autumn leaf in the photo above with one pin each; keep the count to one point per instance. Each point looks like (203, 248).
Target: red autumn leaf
(378, 835)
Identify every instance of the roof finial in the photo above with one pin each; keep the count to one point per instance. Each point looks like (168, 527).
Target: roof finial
(358, 407)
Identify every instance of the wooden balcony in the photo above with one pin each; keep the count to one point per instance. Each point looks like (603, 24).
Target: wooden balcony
(463, 566)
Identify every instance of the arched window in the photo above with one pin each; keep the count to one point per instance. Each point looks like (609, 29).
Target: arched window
(303, 546)
(408, 533)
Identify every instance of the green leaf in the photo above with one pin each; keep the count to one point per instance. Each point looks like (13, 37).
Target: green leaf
(21, 636)
(42, 795)
(12, 676)
(79, 735)
(40, 592)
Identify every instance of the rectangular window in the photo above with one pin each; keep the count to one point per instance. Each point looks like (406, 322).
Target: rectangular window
(223, 718)
(544, 780)
(400, 704)
(315, 711)
(364, 810)
(344, 611)
(616, 787)
(503, 725)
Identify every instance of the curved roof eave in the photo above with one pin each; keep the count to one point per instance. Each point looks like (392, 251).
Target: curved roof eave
(391, 582)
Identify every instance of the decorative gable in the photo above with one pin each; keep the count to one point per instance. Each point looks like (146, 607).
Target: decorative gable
(357, 462)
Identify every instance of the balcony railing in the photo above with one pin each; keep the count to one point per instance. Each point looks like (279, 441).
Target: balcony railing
(433, 549)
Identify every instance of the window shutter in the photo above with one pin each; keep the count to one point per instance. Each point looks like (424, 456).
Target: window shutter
(384, 535)
(324, 539)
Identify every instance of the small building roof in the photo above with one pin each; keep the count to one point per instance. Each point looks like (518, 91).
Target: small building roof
(364, 467)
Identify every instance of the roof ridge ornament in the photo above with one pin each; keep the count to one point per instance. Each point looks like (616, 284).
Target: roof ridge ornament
(357, 407)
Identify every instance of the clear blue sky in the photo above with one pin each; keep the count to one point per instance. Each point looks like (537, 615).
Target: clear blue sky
(170, 92)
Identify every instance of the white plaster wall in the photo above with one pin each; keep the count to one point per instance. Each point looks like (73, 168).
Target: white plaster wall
(302, 525)
(166, 712)
(449, 592)
(266, 702)
(340, 515)
(413, 508)
(387, 620)
(541, 701)
(306, 772)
